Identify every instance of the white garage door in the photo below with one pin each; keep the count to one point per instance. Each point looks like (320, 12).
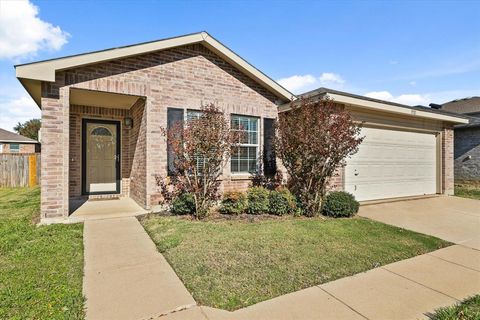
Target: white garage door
(392, 164)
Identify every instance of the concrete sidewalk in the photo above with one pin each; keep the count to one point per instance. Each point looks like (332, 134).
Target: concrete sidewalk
(126, 278)
(408, 289)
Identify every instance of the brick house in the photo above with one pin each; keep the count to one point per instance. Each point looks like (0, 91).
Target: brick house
(467, 140)
(14, 143)
(102, 113)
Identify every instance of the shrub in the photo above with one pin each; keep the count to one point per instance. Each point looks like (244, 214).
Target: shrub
(184, 204)
(282, 202)
(270, 182)
(313, 140)
(257, 200)
(340, 204)
(233, 203)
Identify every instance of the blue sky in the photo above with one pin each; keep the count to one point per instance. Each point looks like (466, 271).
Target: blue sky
(411, 52)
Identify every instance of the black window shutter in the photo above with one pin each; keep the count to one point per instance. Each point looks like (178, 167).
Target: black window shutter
(173, 116)
(269, 160)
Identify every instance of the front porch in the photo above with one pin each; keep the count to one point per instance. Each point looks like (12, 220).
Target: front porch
(106, 148)
(94, 209)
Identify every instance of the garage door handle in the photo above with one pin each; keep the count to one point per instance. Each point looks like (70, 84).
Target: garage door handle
(356, 174)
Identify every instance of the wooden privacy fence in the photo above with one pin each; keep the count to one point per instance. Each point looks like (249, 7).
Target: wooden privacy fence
(19, 170)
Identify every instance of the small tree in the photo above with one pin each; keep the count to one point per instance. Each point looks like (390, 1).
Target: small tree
(201, 148)
(29, 128)
(313, 140)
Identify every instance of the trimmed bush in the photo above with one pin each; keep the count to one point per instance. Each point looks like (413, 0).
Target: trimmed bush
(257, 200)
(183, 204)
(340, 204)
(234, 202)
(282, 202)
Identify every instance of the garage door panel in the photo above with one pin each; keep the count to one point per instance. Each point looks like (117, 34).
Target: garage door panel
(392, 164)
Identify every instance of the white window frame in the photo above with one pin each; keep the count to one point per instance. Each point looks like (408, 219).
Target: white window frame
(257, 145)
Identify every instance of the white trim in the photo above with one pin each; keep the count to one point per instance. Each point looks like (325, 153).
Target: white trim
(247, 145)
(384, 107)
(45, 70)
(16, 141)
(377, 106)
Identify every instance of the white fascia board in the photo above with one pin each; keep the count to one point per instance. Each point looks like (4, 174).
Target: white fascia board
(384, 107)
(45, 71)
(377, 106)
(16, 141)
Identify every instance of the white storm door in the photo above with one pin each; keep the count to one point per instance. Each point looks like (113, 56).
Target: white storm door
(391, 164)
(101, 168)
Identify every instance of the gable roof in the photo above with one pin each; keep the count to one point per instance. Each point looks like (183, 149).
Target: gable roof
(380, 105)
(7, 136)
(31, 74)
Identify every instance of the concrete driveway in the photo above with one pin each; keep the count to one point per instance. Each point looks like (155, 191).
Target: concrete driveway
(450, 218)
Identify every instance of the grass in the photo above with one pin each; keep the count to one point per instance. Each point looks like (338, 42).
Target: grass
(41, 267)
(233, 264)
(467, 191)
(469, 309)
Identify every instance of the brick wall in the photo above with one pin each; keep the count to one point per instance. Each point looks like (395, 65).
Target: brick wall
(467, 155)
(54, 158)
(138, 181)
(24, 148)
(447, 161)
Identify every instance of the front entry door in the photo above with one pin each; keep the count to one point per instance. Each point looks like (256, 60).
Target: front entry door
(101, 157)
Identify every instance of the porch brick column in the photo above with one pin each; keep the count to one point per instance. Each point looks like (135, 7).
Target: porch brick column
(447, 161)
(54, 155)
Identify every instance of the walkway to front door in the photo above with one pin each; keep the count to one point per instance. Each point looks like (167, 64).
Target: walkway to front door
(125, 277)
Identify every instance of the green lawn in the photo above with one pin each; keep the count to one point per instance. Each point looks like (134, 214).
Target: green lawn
(233, 264)
(468, 191)
(41, 268)
(467, 310)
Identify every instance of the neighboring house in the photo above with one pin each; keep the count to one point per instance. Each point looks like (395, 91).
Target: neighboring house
(102, 113)
(467, 139)
(14, 143)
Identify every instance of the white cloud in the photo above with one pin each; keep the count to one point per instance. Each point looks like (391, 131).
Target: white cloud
(412, 83)
(303, 83)
(327, 78)
(298, 83)
(23, 33)
(17, 110)
(408, 99)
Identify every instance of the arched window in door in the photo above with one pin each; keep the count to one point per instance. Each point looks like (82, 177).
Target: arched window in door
(101, 131)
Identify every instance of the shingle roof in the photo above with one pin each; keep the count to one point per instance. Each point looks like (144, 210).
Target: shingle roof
(474, 122)
(7, 136)
(465, 105)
